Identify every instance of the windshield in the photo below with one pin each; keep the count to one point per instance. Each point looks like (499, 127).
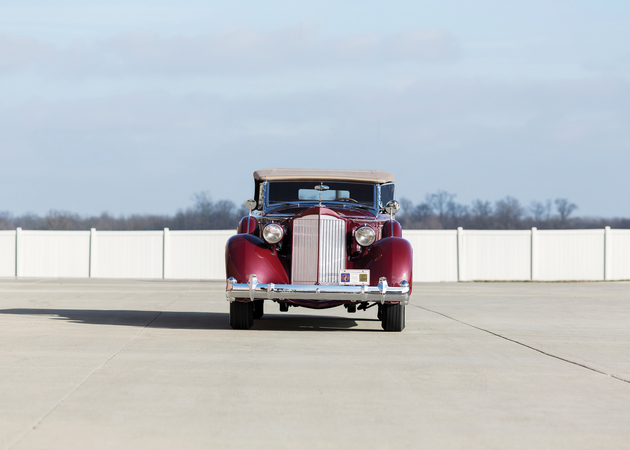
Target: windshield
(304, 191)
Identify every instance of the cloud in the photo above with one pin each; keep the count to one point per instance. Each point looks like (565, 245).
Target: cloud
(424, 117)
(237, 50)
(482, 139)
(18, 52)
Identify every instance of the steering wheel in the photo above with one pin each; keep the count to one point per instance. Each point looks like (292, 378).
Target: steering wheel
(346, 199)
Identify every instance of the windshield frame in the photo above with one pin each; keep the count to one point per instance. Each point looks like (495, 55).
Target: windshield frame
(373, 207)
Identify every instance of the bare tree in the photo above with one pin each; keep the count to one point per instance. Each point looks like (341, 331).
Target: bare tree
(422, 211)
(540, 211)
(456, 214)
(5, 220)
(481, 214)
(508, 213)
(439, 202)
(224, 215)
(404, 217)
(481, 208)
(203, 203)
(413, 216)
(406, 205)
(62, 220)
(438, 211)
(564, 209)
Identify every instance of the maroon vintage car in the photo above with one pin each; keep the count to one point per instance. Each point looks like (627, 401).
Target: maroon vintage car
(319, 239)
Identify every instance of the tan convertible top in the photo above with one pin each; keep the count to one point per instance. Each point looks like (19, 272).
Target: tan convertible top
(369, 176)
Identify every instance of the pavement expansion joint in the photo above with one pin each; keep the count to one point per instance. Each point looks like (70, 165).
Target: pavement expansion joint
(584, 366)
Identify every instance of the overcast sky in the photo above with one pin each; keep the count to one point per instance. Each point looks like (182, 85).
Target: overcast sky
(131, 107)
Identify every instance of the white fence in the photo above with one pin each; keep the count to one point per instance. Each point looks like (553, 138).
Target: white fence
(538, 255)
(439, 255)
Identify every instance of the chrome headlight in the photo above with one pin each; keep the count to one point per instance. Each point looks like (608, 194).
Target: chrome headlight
(273, 233)
(365, 236)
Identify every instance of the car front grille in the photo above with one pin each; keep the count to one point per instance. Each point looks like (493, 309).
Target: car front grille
(319, 249)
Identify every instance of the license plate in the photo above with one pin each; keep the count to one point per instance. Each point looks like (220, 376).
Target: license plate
(354, 277)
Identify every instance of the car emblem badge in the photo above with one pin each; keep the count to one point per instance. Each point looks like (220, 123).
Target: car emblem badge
(354, 277)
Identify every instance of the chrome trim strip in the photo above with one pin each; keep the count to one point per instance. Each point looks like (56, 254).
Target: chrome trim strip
(332, 249)
(261, 291)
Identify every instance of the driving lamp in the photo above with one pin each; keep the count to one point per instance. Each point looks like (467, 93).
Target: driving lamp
(392, 207)
(365, 236)
(251, 205)
(273, 233)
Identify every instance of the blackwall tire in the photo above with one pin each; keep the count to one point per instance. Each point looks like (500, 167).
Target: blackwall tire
(259, 309)
(241, 315)
(393, 317)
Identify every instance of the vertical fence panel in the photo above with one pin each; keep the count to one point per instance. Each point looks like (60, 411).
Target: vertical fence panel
(166, 254)
(7, 253)
(461, 255)
(92, 252)
(128, 254)
(197, 254)
(496, 255)
(434, 254)
(570, 255)
(18, 252)
(533, 255)
(619, 255)
(63, 254)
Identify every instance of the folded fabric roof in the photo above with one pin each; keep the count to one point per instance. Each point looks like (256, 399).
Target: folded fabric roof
(366, 176)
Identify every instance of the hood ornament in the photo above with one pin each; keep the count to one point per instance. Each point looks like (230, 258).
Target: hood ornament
(321, 188)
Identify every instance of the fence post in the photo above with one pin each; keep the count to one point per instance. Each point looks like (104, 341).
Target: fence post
(460, 254)
(166, 247)
(18, 247)
(534, 247)
(607, 254)
(92, 270)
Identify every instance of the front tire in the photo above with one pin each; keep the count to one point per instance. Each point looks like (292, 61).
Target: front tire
(259, 309)
(241, 315)
(393, 317)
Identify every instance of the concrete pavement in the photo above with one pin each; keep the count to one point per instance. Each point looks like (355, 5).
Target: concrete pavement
(128, 364)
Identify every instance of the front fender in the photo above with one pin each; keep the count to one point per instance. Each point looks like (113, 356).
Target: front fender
(392, 258)
(246, 254)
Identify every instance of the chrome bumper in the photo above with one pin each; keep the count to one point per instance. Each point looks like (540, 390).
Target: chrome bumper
(253, 290)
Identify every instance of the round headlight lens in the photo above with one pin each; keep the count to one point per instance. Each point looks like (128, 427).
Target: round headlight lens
(273, 233)
(365, 236)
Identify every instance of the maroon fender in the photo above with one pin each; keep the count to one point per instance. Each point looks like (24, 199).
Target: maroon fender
(392, 228)
(246, 254)
(392, 258)
(247, 225)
